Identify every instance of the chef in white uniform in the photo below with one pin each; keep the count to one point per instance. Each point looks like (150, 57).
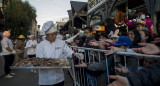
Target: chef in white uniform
(52, 48)
(31, 46)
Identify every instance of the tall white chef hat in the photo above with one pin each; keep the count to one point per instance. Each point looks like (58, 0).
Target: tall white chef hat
(48, 27)
(31, 36)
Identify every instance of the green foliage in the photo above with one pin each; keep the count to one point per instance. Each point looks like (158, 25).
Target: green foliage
(18, 17)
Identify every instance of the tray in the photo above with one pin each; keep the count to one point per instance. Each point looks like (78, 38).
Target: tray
(12, 67)
(41, 63)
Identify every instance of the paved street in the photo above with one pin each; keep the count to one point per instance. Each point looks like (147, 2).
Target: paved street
(27, 78)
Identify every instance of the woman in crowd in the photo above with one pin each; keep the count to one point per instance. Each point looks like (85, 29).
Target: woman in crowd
(135, 36)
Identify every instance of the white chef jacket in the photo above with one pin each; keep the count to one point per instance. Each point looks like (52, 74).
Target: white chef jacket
(31, 50)
(56, 49)
(6, 43)
(71, 39)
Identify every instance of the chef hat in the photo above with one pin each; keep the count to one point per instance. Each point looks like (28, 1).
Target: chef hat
(44, 38)
(30, 36)
(59, 37)
(48, 27)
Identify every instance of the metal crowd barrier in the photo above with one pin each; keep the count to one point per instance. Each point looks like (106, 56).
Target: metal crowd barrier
(82, 77)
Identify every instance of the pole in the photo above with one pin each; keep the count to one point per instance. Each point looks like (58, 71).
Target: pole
(127, 13)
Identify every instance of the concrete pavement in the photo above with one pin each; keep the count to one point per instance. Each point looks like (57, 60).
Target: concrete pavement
(27, 78)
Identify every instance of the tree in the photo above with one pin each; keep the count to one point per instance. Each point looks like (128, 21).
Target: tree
(18, 17)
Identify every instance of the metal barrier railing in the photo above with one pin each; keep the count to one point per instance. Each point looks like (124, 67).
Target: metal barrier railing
(85, 77)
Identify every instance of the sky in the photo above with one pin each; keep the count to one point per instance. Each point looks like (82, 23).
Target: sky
(51, 10)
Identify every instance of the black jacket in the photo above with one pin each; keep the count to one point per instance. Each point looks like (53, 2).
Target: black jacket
(149, 76)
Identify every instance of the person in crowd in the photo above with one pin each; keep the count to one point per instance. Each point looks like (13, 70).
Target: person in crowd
(125, 70)
(101, 44)
(135, 36)
(88, 32)
(146, 36)
(20, 46)
(0, 44)
(103, 39)
(31, 45)
(141, 25)
(122, 40)
(144, 76)
(109, 26)
(93, 57)
(8, 53)
(76, 42)
(52, 48)
(123, 43)
(114, 39)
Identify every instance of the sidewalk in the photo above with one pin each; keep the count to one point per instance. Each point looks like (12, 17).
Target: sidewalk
(27, 78)
(22, 78)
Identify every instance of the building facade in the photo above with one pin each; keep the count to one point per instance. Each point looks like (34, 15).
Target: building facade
(35, 29)
(99, 10)
(77, 18)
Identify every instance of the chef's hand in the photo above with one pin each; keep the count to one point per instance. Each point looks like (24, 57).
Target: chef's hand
(80, 56)
(13, 52)
(120, 81)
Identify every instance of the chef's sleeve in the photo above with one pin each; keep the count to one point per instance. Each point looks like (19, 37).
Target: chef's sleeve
(68, 51)
(71, 39)
(28, 44)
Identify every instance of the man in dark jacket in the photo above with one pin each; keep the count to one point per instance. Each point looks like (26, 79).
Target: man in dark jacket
(148, 76)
